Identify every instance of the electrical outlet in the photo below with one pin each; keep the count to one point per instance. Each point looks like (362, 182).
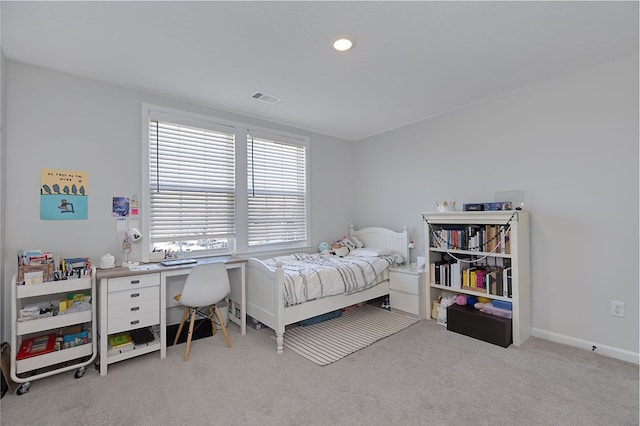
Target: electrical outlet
(617, 308)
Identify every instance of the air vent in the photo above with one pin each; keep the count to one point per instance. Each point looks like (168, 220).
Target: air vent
(263, 97)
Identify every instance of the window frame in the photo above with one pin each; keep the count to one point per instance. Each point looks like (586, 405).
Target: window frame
(284, 140)
(239, 245)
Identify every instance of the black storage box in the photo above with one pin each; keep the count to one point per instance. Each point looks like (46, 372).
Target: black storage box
(474, 207)
(473, 323)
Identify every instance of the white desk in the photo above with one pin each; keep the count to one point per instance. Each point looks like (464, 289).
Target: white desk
(134, 299)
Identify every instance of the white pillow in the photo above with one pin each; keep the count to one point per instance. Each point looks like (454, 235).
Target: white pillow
(370, 252)
(351, 242)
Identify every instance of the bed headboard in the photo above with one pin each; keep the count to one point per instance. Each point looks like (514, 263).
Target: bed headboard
(377, 237)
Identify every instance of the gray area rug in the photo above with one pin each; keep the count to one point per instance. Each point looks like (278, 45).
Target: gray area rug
(328, 341)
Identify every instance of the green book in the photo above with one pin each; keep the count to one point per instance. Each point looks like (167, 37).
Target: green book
(119, 340)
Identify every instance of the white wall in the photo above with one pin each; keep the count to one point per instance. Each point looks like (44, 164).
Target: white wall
(571, 144)
(57, 120)
(3, 337)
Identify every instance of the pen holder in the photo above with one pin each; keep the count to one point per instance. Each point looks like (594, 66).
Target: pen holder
(156, 256)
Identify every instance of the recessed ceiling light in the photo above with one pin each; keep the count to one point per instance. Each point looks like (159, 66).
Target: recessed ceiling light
(343, 42)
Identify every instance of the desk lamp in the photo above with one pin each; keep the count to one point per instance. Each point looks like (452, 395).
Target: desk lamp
(133, 236)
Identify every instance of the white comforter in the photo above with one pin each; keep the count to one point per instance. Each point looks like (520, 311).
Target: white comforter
(312, 276)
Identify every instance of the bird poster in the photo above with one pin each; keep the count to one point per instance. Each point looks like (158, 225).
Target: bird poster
(63, 195)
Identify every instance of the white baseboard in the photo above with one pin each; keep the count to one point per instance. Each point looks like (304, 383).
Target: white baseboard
(605, 350)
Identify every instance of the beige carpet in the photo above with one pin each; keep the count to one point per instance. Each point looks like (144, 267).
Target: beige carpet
(421, 376)
(329, 341)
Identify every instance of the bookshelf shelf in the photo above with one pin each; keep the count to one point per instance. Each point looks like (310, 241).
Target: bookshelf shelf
(483, 254)
(470, 252)
(470, 292)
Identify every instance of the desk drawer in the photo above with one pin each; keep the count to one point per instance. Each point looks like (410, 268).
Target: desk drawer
(137, 281)
(137, 307)
(144, 293)
(132, 322)
(407, 283)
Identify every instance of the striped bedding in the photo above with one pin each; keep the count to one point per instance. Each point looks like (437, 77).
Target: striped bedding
(313, 276)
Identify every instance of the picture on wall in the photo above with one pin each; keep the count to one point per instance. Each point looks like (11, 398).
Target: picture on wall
(120, 207)
(63, 195)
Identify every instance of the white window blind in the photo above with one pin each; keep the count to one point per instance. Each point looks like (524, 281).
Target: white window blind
(277, 191)
(191, 182)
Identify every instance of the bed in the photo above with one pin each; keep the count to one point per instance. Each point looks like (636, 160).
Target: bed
(266, 285)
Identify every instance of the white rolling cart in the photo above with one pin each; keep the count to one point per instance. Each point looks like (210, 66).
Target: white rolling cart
(76, 357)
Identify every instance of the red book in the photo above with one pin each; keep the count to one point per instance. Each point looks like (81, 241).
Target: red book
(480, 279)
(36, 346)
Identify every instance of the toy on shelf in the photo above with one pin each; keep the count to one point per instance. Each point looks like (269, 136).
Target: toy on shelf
(488, 308)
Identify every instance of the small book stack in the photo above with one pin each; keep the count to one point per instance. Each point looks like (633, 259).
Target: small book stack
(36, 346)
(120, 341)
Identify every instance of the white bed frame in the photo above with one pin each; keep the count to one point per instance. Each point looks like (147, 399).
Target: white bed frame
(265, 288)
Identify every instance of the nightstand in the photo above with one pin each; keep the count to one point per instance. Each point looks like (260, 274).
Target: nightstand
(406, 284)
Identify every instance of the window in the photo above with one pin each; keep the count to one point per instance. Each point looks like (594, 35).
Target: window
(191, 188)
(277, 191)
(205, 193)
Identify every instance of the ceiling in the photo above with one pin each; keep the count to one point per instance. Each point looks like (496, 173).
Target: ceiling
(412, 60)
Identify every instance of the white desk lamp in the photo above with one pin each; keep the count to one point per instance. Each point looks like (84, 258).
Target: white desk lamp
(133, 236)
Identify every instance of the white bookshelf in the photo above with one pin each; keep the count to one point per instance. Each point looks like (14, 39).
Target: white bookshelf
(506, 245)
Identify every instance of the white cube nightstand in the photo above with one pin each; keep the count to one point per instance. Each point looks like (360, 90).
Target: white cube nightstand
(407, 291)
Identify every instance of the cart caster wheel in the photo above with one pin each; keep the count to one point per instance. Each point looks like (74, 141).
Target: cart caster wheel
(24, 388)
(79, 373)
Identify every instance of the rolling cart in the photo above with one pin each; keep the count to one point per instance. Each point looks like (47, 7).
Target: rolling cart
(38, 346)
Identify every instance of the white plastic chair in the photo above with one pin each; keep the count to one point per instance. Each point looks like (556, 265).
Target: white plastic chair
(206, 285)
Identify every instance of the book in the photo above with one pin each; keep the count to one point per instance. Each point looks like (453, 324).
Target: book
(456, 275)
(120, 340)
(473, 278)
(490, 281)
(490, 243)
(467, 276)
(444, 275)
(506, 282)
(35, 346)
(480, 274)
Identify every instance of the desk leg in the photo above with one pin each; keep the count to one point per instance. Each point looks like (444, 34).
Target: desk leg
(163, 316)
(242, 296)
(243, 301)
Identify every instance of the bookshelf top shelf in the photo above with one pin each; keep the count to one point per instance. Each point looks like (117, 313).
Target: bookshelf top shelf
(466, 218)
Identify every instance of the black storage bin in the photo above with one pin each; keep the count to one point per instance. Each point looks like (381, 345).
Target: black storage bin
(473, 323)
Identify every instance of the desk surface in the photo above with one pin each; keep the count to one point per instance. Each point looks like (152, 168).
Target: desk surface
(126, 272)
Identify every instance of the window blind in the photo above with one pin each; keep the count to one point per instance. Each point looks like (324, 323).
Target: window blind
(191, 182)
(277, 191)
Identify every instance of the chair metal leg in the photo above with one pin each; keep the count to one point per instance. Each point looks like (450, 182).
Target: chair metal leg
(211, 318)
(224, 329)
(191, 323)
(184, 317)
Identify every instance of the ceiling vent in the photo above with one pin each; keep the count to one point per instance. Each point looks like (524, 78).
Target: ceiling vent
(263, 97)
